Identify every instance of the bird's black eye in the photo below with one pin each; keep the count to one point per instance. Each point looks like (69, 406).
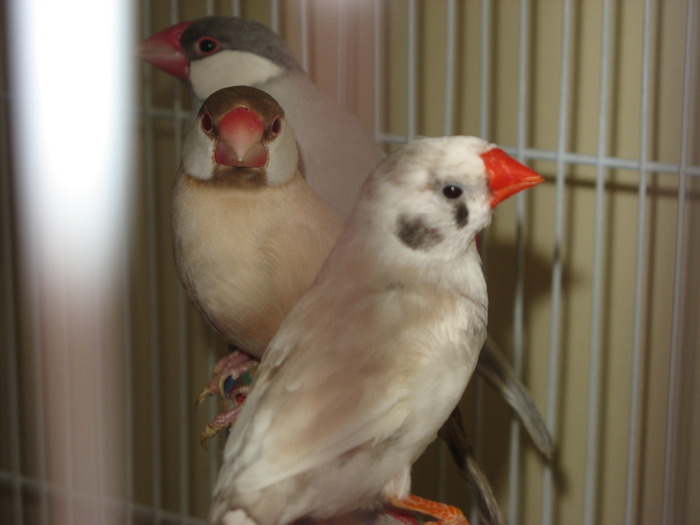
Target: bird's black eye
(207, 124)
(207, 45)
(276, 126)
(452, 191)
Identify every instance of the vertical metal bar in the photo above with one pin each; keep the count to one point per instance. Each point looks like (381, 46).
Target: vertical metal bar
(670, 452)
(153, 301)
(341, 77)
(10, 318)
(304, 16)
(553, 379)
(485, 70)
(275, 15)
(518, 307)
(592, 435)
(450, 53)
(129, 468)
(636, 381)
(127, 330)
(411, 80)
(236, 7)
(182, 348)
(484, 127)
(448, 124)
(378, 68)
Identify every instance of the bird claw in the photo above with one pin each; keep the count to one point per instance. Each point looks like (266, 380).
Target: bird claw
(445, 514)
(231, 379)
(220, 422)
(233, 365)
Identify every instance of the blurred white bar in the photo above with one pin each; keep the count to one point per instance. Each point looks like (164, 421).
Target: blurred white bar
(591, 484)
(633, 440)
(671, 453)
(553, 375)
(73, 118)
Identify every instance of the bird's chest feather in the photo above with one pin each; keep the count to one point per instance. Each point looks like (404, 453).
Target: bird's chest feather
(222, 251)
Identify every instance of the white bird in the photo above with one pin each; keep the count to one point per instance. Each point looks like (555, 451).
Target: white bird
(375, 356)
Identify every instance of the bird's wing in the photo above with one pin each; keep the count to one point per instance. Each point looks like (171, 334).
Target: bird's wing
(330, 396)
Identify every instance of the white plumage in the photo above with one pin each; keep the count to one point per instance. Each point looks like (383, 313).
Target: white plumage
(372, 360)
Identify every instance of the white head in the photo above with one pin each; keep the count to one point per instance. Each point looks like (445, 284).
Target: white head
(240, 136)
(434, 195)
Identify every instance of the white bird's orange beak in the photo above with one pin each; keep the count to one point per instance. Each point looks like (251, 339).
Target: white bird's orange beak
(506, 175)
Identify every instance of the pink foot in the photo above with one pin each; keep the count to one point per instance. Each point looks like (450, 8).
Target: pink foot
(231, 365)
(231, 379)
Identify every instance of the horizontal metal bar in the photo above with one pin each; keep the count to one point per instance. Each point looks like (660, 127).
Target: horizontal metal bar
(576, 158)
(137, 510)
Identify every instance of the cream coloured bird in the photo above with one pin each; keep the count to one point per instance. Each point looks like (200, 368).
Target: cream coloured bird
(372, 360)
(249, 234)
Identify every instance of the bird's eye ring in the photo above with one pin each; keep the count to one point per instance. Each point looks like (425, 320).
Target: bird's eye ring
(207, 124)
(207, 45)
(276, 126)
(452, 191)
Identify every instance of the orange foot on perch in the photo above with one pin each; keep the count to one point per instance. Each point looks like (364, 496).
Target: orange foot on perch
(444, 514)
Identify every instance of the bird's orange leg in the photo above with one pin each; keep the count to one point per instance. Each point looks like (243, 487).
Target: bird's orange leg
(444, 514)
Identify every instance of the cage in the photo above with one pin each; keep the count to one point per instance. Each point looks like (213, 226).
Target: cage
(592, 284)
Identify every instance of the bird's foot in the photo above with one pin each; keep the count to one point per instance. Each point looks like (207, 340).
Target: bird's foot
(231, 379)
(444, 514)
(231, 366)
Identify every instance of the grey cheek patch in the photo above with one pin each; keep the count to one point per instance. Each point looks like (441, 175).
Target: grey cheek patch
(461, 215)
(416, 234)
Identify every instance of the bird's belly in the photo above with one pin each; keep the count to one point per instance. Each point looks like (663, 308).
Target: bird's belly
(220, 263)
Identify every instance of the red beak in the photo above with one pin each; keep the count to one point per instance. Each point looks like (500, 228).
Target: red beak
(240, 134)
(164, 51)
(506, 175)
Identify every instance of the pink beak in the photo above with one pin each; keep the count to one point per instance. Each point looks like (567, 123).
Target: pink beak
(240, 134)
(506, 175)
(164, 51)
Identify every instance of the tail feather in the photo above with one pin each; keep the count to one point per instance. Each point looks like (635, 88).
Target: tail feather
(497, 370)
(452, 432)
